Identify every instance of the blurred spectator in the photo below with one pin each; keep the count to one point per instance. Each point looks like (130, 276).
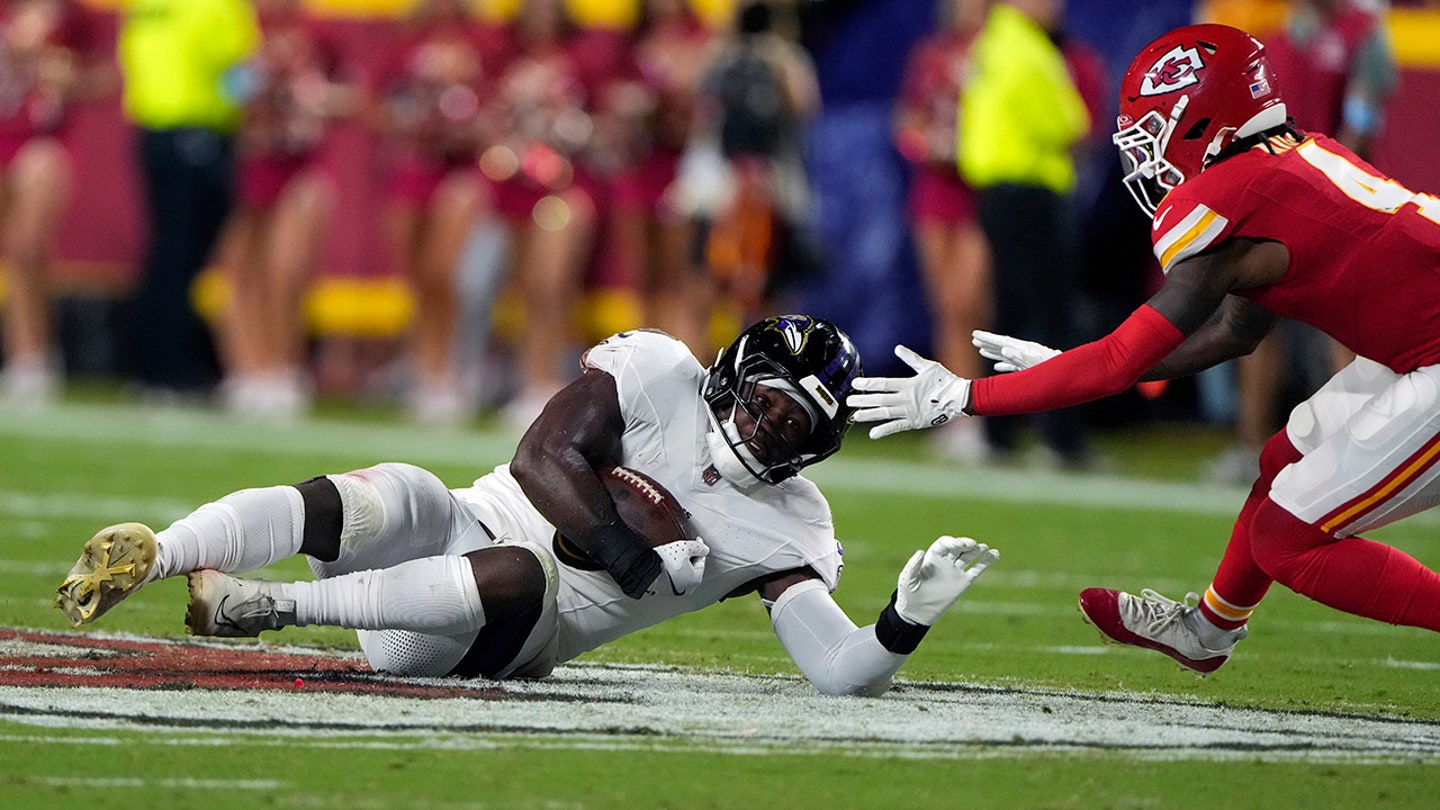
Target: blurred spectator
(870, 282)
(744, 175)
(430, 99)
(1337, 68)
(653, 108)
(1118, 269)
(284, 200)
(942, 207)
(48, 62)
(1020, 117)
(545, 167)
(178, 60)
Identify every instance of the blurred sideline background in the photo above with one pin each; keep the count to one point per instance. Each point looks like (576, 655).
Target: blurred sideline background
(357, 304)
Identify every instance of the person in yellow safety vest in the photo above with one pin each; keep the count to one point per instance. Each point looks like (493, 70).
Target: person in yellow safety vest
(182, 62)
(1020, 115)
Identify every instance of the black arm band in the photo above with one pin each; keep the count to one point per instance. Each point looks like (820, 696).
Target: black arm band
(625, 555)
(895, 634)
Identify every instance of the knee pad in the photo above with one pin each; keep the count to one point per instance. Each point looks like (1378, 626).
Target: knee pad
(391, 512)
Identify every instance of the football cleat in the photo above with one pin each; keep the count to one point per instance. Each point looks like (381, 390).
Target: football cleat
(113, 565)
(1155, 623)
(222, 605)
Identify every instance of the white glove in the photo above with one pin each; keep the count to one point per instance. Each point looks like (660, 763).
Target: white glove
(932, 397)
(683, 561)
(934, 579)
(1010, 354)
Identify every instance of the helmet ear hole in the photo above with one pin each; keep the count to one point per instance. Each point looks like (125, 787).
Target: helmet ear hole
(1198, 131)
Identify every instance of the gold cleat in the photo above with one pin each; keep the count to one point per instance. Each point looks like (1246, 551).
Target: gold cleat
(113, 565)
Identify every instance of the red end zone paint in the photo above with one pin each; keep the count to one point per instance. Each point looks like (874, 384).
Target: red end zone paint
(36, 658)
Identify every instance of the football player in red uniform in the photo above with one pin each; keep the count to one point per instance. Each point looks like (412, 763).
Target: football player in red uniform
(1252, 219)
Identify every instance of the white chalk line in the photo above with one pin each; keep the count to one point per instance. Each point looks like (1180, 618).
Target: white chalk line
(169, 784)
(612, 707)
(119, 424)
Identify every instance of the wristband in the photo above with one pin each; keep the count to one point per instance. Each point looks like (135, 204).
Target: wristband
(625, 555)
(895, 633)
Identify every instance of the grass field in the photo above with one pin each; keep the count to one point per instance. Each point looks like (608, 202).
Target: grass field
(1145, 522)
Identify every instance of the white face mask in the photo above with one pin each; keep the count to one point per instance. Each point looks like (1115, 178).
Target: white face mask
(732, 457)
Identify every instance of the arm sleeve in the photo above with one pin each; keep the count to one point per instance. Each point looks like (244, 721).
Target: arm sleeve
(833, 654)
(1099, 369)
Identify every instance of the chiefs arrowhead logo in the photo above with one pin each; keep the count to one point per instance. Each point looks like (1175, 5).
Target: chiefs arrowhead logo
(1175, 70)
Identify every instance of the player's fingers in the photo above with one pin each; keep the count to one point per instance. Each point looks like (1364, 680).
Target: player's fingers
(875, 384)
(911, 358)
(878, 399)
(985, 561)
(879, 413)
(910, 574)
(889, 428)
(953, 547)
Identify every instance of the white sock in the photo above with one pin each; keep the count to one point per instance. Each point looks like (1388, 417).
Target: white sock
(243, 531)
(435, 595)
(1211, 636)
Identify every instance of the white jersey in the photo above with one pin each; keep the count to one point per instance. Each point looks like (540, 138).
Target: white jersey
(765, 531)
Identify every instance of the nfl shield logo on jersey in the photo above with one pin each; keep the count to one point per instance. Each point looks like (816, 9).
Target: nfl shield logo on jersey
(1174, 71)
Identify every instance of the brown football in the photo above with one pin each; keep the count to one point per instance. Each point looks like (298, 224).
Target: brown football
(643, 505)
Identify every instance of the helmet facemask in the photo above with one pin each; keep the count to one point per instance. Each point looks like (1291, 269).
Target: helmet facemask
(1188, 99)
(788, 457)
(808, 360)
(1149, 176)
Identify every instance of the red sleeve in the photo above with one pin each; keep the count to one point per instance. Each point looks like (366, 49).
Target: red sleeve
(1089, 372)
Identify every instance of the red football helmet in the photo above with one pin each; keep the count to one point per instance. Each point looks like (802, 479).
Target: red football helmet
(1187, 96)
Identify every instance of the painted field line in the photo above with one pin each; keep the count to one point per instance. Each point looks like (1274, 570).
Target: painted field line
(198, 428)
(109, 508)
(608, 707)
(168, 784)
(482, 450)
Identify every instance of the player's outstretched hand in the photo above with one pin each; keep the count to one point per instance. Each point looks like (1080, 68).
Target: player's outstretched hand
(1010, 354)
(683, 561)
(934, 579)
(932, 397)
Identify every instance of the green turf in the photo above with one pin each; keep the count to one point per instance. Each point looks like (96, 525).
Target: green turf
(64, 475)
(247, 774)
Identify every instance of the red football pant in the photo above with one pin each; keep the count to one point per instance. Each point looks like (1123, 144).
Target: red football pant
(1355, 575)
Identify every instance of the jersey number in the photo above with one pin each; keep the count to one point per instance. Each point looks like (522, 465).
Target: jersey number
(1376, 193)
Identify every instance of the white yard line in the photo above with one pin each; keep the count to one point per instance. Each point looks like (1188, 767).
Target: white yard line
(121, 425)
(610, 707)
(110, 425)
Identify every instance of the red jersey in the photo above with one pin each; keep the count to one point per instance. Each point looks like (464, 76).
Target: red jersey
(42, 42)
(298, 60)
(436, 83)
(1364, 250)
(931, 92)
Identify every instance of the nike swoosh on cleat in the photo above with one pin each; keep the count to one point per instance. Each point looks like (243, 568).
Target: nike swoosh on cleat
(221, 620)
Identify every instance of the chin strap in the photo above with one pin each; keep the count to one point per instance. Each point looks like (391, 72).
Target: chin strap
(732, 459)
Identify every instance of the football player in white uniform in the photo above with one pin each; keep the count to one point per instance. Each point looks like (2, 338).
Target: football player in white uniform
(530, 566)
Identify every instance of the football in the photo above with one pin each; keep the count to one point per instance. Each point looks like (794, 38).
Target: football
(643, 505)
